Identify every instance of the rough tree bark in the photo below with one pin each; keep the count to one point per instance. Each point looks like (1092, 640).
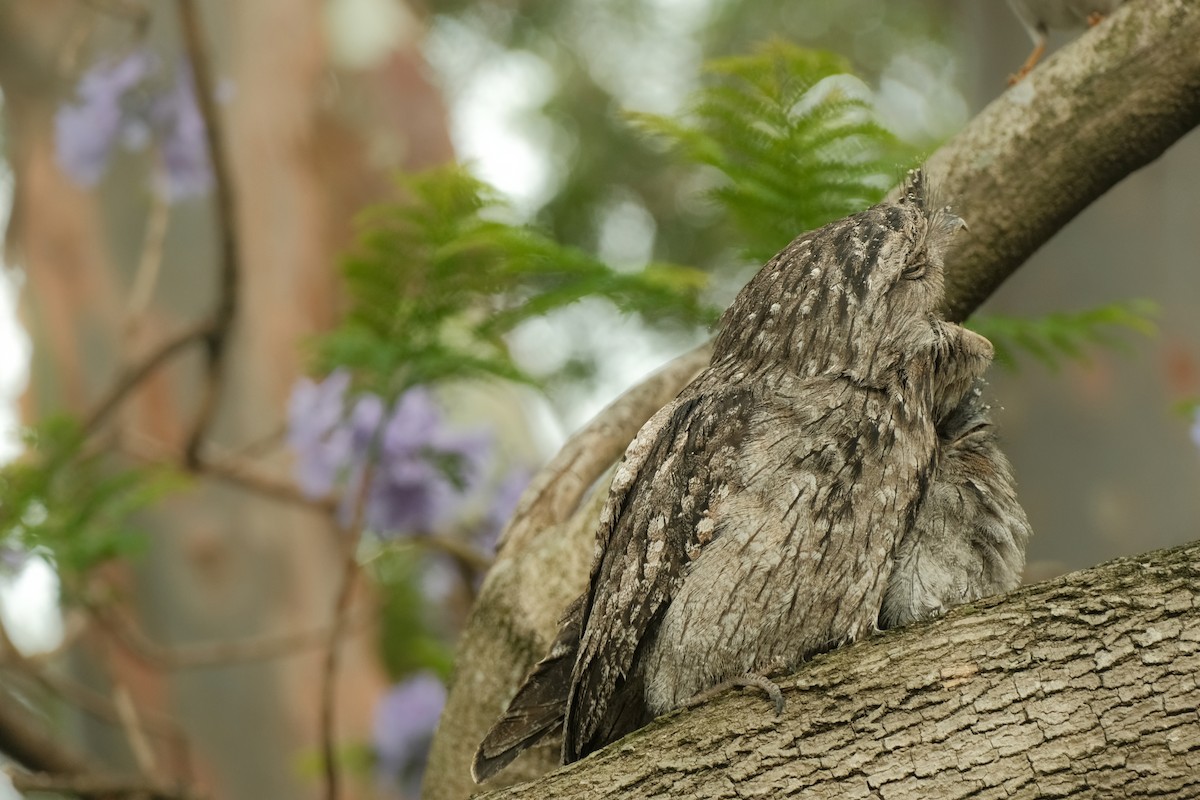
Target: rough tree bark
(1108, 104)
(1085, 684)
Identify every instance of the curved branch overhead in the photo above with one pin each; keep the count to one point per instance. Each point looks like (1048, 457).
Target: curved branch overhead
(1101, 108)
(1104, 106)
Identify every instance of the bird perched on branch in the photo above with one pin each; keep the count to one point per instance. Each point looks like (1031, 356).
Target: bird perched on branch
(831, 471)
(1041, 16)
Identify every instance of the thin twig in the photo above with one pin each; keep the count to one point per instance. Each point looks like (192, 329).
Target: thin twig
(226, 308)
(95, 785)
(131, 724)
(466, 556)
(226, 467)
(215, 654)
(91, 702)
(133, 376)
(350, 569)
(263, 444)
(145, 278)
(78, 694)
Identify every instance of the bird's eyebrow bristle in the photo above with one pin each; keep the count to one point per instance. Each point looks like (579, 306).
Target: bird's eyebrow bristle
(915, 189)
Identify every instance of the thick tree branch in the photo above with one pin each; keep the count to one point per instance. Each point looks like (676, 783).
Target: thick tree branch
(28, 740)
(1082, 686)
(1104, 106)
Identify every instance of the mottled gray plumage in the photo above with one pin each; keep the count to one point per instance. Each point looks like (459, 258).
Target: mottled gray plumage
(755, 520)
(969, 538)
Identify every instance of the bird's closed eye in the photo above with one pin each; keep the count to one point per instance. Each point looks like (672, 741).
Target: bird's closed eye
(915, 270)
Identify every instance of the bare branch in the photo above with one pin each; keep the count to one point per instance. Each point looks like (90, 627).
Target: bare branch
(133, 376)
(27, 740)
(349, 536)
(1104, 106)
(98, 786)
(226, 309)
(219, 653)
(232, 469)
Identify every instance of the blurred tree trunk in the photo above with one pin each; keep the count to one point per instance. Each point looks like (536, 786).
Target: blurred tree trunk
(224, 565)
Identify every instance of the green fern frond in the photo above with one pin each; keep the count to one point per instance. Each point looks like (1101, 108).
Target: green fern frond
(68, 503)
(436, 282)
(1065, 336)
(795, 145)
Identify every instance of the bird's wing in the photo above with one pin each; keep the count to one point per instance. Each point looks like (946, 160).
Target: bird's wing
(652, 526)
(536, 711)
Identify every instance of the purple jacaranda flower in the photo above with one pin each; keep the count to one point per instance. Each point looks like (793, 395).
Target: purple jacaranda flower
(186, 168)
(425, 469)
(125, 101)
(86, 132)
(405, 719)
(422, 470)
(315, 415)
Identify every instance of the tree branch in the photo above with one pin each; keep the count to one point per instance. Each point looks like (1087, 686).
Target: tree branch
(219, 653)
(133, 376)
(226, 308)
(1105, 105)
(26, 739)
(99, 786)
(1085, 685)
(349, 537)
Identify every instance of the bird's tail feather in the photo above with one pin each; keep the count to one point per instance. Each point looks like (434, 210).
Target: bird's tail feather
(539, 706)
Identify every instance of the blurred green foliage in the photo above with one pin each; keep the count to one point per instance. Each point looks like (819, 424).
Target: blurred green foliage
(67, 500)
(436, 281)
(1065, 336)
(411, 638)
(794, 138)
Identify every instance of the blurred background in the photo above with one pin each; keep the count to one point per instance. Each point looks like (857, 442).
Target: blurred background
(168, 609)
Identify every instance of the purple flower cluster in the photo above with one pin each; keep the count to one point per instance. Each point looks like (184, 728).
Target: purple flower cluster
(421, 471)
(124, 101)
(405, 719)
